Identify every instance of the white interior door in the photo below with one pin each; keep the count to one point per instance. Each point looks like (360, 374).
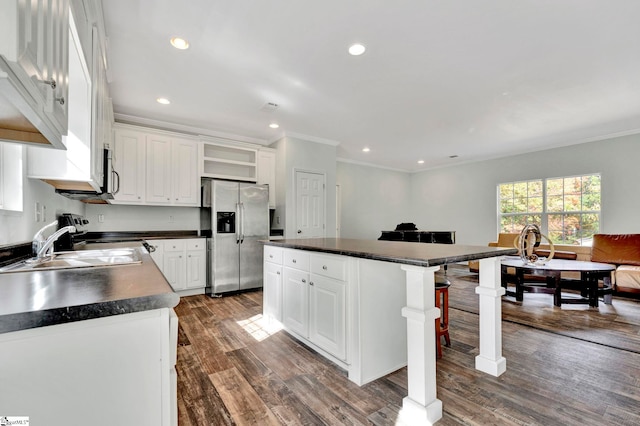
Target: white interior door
(309, 205)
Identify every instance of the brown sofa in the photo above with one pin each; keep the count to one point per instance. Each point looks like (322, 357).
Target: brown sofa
(621, 250)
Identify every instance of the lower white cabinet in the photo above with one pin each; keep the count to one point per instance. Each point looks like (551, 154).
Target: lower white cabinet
(272, 291)
(92, 372)
(307, 297)
(182, 261)
(327, 322)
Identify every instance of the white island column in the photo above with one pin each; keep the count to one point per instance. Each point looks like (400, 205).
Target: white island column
(421, 405)
(490, 292)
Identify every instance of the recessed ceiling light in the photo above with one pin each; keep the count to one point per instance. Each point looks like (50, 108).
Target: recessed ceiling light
(420, 161)
(179, 43)
(163, 101)
(274, 125)
(357, 49)
(365, 149)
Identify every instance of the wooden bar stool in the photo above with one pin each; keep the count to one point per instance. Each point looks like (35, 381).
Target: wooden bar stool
(442, 301)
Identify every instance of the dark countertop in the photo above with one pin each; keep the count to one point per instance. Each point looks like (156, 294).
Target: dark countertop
(118, 236)
(43, 298)
(395, 251)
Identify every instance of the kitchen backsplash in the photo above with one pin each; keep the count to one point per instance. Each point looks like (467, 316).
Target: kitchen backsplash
(141, 218)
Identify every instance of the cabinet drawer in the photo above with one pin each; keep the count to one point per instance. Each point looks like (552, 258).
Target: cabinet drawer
(197, 244)
(273, 254)
(174, 245)
(329, 266)
(296, 259)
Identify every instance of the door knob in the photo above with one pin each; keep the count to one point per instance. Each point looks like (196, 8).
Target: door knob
(299, 231)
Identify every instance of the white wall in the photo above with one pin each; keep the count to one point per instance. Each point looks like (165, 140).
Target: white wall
(463, 198)
(18, 227)
(142, 218)
(372, 200)
(297, 154)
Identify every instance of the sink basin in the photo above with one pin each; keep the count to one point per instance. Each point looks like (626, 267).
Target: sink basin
(77, 259)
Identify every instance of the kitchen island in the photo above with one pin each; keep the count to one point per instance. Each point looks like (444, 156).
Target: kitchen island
(87, 345)
(369, 306)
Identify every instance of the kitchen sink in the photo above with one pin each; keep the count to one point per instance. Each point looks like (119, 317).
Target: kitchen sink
(77, 259)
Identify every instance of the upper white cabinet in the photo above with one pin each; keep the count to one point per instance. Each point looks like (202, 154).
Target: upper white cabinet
(129, 165)
(155, 168)
(34, 51)
(224, 161)
(172, 171)
(267, 172)
(80, 167)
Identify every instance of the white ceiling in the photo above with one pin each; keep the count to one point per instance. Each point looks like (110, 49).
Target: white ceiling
(477, 79)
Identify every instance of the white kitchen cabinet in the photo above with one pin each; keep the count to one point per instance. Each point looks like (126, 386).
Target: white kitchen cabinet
(71, 373)
(172, 171)
(129, 163)
(196, 263)
(295, 301)
(267, 172)
(183, 261)
(313, 297)
(327, 321)
(221, 160)
(34, 62)
(174, 264)
(156, 168)
(272, 283)
(80, 167)
(158, 176)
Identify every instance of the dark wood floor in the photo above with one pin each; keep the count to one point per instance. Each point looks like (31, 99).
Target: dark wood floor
(562, 368)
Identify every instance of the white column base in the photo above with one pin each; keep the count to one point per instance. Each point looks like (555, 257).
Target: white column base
(413, 413)
(491, 366)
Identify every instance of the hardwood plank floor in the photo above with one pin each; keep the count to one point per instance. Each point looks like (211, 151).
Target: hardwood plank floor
(562, 368)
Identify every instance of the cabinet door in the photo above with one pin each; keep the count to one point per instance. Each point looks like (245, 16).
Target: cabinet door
(99, 92)
(174, 269)
(267, 174)
(196, 268)
(327, 326)
(129, 163)
(57, 50)
(158, 254)
(158, 185)
(33, 27)
(186, 184)
(295, 301)
(272, 292)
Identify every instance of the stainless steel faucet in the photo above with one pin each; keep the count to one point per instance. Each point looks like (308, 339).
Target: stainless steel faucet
(42, 247)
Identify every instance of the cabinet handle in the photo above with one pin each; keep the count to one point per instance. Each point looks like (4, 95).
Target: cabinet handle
(60, 100)
(324, 267)
(310, 282)
(278, 273)
(294, 261)
(304, 281)
(271, 256)
(168, 199)
(51, 83)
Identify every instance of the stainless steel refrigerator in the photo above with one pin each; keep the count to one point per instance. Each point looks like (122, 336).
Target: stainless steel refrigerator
(239, 218)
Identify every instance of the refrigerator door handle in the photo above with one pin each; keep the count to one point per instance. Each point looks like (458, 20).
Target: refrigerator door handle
(242, 223)
(237, 223)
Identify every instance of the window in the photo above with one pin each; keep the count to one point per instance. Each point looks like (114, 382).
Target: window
(567, 209)
(10, 176)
